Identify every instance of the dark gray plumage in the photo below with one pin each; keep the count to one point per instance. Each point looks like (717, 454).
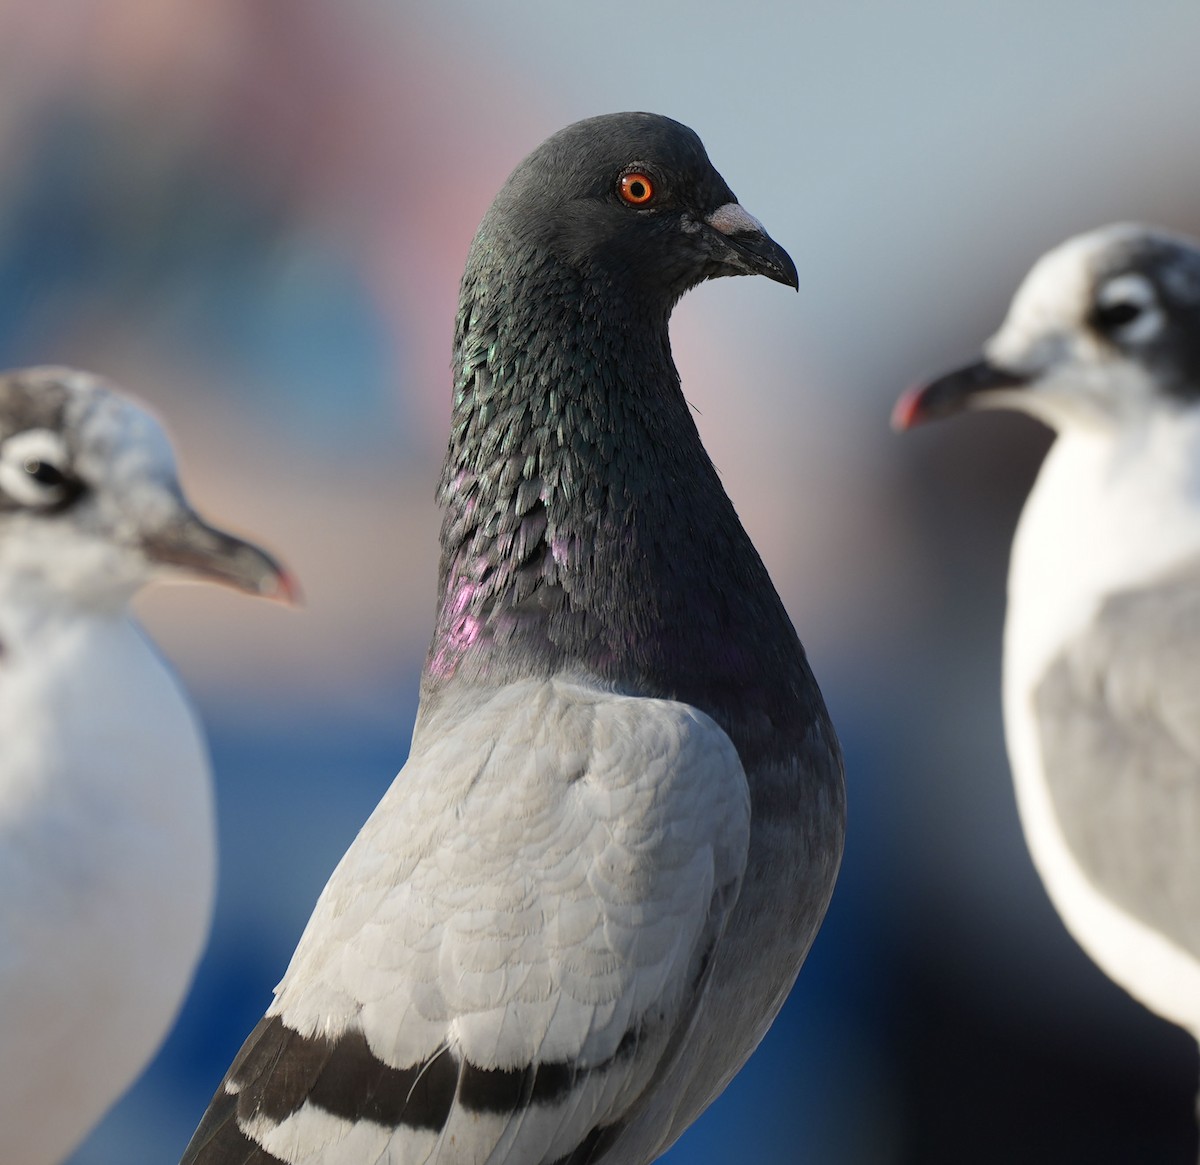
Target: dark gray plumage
(559, 936)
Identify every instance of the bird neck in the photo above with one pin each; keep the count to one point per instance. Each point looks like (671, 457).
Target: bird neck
(47, 590)
(1111, 510)
(585, 529)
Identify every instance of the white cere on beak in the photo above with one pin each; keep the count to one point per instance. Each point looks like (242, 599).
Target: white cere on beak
(1138, 294)
(734, 219)
(20, 458)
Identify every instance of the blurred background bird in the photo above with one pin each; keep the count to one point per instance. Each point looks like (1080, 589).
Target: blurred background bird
(1101, 667)
(106, 820)
(260, 211)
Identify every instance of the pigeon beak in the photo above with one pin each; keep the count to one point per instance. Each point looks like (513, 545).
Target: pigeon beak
(952, 393)
(191, 545)
(751, 251)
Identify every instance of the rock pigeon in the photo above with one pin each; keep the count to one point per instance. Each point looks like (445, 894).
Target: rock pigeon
(1102, 639)
(576, 911)
(106, 823)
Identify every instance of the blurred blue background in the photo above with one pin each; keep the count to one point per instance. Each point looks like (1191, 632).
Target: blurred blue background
(253, 213)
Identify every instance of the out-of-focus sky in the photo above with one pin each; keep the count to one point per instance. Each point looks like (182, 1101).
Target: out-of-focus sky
(253, 213)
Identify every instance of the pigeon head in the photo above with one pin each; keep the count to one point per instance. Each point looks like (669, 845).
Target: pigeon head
(632, 199)
(584, 526)
(90, 504)
(1104, 329)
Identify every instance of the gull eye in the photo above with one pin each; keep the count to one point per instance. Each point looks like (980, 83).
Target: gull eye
(1126, 309)
(44, 472)
(33, 473)
(636, 188)
(1111, 316)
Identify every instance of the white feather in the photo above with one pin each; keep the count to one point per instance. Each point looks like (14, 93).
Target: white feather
(1116, 506)
(106, 870)
(106, 818)
(1110, 510)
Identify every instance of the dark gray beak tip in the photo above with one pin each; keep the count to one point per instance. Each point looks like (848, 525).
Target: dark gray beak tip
(747, 248)
(788, 274)
(951, 393)
(764, 256)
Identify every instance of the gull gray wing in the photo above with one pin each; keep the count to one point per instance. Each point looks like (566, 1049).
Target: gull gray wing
(507, 993)
(1118, 715)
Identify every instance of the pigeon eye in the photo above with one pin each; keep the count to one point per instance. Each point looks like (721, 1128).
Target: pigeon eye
(636, 188)
(44, 473)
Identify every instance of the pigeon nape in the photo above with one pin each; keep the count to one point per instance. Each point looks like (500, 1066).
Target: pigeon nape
(1102, 635)
(107, 847)
(578, 908)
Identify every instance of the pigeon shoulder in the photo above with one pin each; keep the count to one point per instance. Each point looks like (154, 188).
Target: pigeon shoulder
(543, 967)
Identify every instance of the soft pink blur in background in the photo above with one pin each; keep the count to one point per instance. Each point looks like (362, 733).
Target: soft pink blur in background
(253, 214)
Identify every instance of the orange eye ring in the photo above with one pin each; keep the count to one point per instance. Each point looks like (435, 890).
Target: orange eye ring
(636, 188)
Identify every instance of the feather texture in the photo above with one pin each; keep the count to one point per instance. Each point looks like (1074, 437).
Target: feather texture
(510, 990)
(536, 952)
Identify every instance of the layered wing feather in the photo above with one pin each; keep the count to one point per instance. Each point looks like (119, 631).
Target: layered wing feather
(1119, 725)
(511, 950)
